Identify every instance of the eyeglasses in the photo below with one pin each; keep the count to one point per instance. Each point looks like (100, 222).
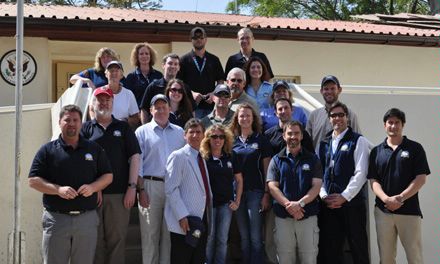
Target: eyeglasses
(236, 80)
(175, 90)
(217, 136)
(334, 115)
(223, 96)
(197, 37)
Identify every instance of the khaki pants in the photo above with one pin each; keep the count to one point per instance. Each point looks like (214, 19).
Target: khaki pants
(292, 236)
(407, 227)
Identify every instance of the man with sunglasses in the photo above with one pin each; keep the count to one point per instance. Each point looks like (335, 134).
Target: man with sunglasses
(221, 114)
(344, 156)
(236, 81)
(201, 70)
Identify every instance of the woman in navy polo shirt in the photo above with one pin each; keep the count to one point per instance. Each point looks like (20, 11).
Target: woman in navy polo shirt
(216, 149)
(181, 108)
(143, 57)
(253, 153)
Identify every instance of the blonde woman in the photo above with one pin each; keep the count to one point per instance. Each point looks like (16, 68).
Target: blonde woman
(216, 149)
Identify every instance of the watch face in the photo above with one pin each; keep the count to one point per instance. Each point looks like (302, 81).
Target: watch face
(8, 66)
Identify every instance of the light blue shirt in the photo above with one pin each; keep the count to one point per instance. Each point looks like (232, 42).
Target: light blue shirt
(262, 95)
(157, 144)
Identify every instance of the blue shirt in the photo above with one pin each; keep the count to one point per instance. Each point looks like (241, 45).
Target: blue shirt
(250, 155)
(97, 77)
(262, 95)
(156, 144)
(269, 118)
(137, 82)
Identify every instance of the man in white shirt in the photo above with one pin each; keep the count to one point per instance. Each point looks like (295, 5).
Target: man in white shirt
(344, 156)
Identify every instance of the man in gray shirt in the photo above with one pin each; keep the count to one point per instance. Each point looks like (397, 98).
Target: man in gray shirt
(221, 114)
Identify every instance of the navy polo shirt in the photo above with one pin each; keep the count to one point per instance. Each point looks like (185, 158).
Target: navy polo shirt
(249, 156)
(97, 77)
(395, 170)
(201, 78)
(119, 143)
(221, 177)
(238, 60)
(275, 136)
(59, 163)
(138, 83)
(158, 87)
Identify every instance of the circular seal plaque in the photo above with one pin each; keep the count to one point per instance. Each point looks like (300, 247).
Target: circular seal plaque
(8, 67)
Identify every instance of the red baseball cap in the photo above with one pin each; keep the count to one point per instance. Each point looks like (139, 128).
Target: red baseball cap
(103, 90)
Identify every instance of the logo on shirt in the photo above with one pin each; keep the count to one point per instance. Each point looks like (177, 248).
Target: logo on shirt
(89, 157)
(254, 146)
(306, 167)
(404, 154)
(344, 147)
(229, 164)
(117, 133)
(266, 94)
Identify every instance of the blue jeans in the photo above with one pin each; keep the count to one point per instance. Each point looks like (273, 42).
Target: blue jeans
(250, 226)
(217, 246)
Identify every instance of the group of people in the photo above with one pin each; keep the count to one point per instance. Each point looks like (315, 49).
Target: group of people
(196, 147)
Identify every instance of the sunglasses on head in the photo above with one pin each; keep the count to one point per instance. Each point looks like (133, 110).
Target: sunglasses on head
(176, 90)
(334, 115)
(217, 136)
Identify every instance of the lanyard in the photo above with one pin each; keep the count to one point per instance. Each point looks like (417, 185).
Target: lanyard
(200, 69)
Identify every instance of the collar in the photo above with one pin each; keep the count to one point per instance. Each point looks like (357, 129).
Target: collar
(340, 136)
(154, 124)
(252, 53)
(62, 143)
(402, 144)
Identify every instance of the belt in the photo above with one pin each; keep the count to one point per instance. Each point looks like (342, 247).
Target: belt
(71, 213)
(153, 178)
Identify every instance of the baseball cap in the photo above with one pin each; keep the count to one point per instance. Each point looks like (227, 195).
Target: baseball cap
(114, 63)
(197, 30)
(103, 90)
(280, 83)
(159, 97)
(329, 78)
(221, 88)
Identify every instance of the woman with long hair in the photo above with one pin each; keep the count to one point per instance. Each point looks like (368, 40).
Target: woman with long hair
(95, 77)
(216, 149)
(143, 57)
(253, 153)
(281, 89)
(257, 78)
(181, 108)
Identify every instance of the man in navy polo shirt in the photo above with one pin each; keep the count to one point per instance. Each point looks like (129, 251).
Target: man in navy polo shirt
(344, 157)
(397, 171)
(294, 179)
(122, 149)
(202, 71)
(70, 171)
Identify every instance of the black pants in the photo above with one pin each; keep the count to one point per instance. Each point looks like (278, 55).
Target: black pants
(337, 224)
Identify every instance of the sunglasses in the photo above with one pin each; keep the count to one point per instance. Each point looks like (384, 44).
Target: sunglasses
(236, 80)
(217, 136)
(197, 37)
(175, 90)
(334, 115)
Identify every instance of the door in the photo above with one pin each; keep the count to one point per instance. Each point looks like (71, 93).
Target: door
(65, 70)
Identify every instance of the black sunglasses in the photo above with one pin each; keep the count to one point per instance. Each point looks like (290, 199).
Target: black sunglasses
(334, 115)
(217, 136)
(236, 80)
(175, 90)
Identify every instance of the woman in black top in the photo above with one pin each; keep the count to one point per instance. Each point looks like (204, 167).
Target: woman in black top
(181, 108)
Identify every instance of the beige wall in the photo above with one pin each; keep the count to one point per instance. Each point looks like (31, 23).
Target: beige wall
(354, 64)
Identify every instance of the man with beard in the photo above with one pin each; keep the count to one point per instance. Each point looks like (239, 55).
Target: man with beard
(122, 148)
(344, 157)
(398, 170)
(317, 124)
(236, 81)
(201, 70)
(294, 179)
(170, 66)
(70, 171)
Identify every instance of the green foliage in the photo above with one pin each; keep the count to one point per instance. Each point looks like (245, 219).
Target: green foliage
(327, 9)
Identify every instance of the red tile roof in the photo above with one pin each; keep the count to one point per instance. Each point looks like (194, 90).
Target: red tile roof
(163, 16)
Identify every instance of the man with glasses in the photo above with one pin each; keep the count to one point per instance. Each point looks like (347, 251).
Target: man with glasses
(201, 70)
(236, 81)
(344, 156)
(221, 114)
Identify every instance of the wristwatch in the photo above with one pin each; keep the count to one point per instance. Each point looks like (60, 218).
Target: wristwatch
(302, 203)
(132, 185)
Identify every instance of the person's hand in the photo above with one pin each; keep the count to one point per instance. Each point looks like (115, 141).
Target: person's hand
(67, 192)
(144, 199)
(99, 199)
(265, 202)
(129, 198)
(393, 203)
(208, 98)
(293, 207)
(198, 97)
(233, 205)
(86, 190)
(184, 224)
(335, 200)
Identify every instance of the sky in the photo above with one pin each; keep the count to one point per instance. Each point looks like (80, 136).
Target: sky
(213, 6)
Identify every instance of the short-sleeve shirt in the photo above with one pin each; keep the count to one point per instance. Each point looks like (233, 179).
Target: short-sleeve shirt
(97, 77)
(395, 170)
(250, 155)
(243, 98)
(269, 118)
(124, 105)
(138, 83)
(61, 164)
(238, 60)
(275, 136)
(221, 177)
(119, 143)
(262, 95)
(201, 74)
(211, 119)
